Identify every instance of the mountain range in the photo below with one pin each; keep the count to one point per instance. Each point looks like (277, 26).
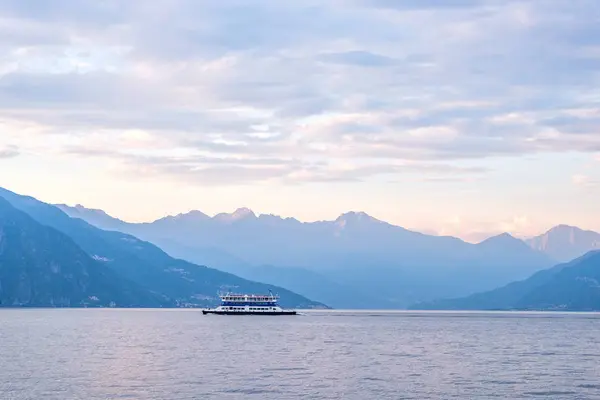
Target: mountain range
(308, 282)
(51, 259)
(63, 256)
(573, 286)
(355, 261)
(561, 243)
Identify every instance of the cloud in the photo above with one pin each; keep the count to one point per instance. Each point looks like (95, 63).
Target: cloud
(9, 152)
(357, 58)
(373, 85)
(420, 4)
(585, 181)
(232, 169)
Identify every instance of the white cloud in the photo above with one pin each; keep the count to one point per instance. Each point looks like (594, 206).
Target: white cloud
(370, 83)
(9, 152)
(585, 181)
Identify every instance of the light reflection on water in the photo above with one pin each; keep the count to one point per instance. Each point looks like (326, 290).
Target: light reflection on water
(181, 354)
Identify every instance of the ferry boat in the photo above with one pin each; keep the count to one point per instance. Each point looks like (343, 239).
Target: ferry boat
(249, 304)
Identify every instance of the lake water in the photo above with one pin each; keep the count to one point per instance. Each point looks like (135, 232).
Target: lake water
(181, 354)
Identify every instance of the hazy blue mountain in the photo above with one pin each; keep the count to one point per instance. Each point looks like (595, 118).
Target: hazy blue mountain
(147, 265)
(98, 218)
(42, 267)
(308, 283)
(405, 278)
(565, 242)
(303, 281)
(574, 286)
(314, 285)
(393, 266)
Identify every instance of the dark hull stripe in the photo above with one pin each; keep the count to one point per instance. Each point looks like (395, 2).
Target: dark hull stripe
(248, 312)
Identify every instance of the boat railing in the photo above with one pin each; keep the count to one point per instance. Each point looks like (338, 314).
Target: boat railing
(250, 299)
(242, 297)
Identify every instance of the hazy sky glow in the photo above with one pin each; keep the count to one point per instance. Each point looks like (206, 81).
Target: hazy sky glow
(463, 117)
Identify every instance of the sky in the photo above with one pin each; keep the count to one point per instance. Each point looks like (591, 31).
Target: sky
(457, 117)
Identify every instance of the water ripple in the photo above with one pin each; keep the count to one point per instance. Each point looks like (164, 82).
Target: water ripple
(181, 355)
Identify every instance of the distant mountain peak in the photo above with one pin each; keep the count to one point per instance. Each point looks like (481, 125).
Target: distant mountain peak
(566, 242)
(358, 216)
(238, 215)
(271, 216)
(277, 218)
(194, 214)
(95, 217)
(82, 209)
(503, 239)
(243, 212)
(190, 217)
(355, 220)
(564, 228)
(504, 236)
(568, 230)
